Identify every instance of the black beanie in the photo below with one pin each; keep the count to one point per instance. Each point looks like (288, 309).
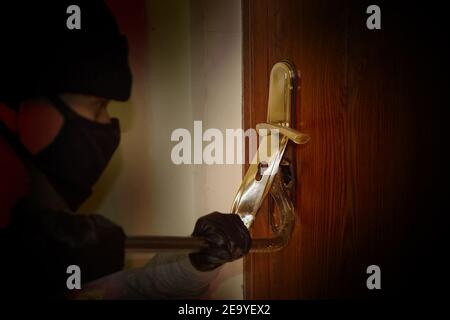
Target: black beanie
(40, 56)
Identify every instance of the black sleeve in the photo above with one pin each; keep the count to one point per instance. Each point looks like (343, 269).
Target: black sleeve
(47, 242)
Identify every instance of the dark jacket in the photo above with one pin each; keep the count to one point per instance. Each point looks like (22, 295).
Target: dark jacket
(40, 238)
(40, 56)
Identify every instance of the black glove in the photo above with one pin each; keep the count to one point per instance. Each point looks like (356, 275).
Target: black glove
(228, 240)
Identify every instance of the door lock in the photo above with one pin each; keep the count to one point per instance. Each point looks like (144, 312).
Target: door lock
(254, 187)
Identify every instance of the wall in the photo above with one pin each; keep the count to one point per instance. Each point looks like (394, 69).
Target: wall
(186, 62)
(216, 96)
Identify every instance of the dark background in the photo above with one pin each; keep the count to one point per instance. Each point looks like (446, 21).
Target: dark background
(367, 182)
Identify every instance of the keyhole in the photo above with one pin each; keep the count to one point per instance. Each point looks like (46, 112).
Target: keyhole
(262, 167)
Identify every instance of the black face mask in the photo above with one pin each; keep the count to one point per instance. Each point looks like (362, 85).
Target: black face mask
(74, 161)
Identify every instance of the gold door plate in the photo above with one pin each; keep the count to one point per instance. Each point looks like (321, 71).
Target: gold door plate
(256, 185)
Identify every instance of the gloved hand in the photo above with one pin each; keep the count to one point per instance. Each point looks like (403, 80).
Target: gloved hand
(228, 240)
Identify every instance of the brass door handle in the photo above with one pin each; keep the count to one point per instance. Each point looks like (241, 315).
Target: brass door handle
(253, 190)
(292, 134)
(262, 177)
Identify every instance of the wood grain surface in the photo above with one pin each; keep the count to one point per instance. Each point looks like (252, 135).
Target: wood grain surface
(365, 174)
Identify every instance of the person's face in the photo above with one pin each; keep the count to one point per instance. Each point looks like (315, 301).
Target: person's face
(90, 107)
(39, 122)
(72, 139)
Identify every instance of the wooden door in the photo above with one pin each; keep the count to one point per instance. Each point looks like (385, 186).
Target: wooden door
(365, 174)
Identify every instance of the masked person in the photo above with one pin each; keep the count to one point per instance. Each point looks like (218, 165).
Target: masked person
(56, 138)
